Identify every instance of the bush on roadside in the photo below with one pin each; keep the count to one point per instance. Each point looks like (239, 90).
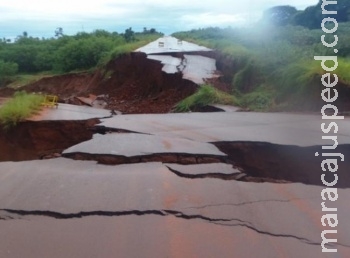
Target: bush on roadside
(19, 108)
(262, 99)
(205, 95)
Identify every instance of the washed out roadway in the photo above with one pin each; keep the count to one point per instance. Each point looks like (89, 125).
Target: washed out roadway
(78, 208)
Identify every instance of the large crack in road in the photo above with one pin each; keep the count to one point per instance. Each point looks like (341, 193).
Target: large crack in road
(234, 176)
(256, 161)
(178, 158)
(170, 186)
(178, 214)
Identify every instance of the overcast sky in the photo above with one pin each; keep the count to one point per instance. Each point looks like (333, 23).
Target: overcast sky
(40, 18)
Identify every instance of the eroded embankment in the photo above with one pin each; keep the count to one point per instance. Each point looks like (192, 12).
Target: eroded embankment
(136, 84)
(255, 161)
(131, 83)
(66, 85)
(262, 161)
(35, 140)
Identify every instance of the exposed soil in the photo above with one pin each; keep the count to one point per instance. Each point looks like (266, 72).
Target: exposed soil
(281, 162)
(37, 140)
(132, 83)
(6, 92)
(65, 86)
(136, 84)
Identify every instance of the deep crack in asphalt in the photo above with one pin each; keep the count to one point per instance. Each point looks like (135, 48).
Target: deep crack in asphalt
(178, 214)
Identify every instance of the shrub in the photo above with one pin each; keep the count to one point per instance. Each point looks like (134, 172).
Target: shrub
(303, 77)
(7, 70)
(205, 95)
(22, 106)
(247, 78)
(262, 99)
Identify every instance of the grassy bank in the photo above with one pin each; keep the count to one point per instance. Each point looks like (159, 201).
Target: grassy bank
(19, 108)
(205, 95)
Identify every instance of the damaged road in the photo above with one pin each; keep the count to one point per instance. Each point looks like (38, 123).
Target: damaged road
(80, 197)
(175, 185)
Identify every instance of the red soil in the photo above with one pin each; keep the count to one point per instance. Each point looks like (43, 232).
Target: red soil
(133, 83)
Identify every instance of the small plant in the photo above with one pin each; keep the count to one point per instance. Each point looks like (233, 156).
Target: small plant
(205, 95)
(19, 108)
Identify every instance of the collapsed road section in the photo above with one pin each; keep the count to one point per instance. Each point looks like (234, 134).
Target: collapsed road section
(149, 80)
(178, 185)
(182, 139)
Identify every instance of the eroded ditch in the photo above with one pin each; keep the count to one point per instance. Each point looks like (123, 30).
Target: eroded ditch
(42, 139)
(257, 161)
(265, 161)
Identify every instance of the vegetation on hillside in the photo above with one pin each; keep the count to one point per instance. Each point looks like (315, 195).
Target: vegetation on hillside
(19, 108)
(272, 66)
(61, 54)
(7, 71)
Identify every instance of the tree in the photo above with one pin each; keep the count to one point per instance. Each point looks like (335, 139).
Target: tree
(129, 35)
(279, 15)
(101, 33)
(82, 53)
(7, 69)
(59, 32)
(312, 16)
(308, 18)
(341, 6)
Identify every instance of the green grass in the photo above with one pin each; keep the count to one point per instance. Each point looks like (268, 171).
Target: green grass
(261, 99)
(302, 77)
(205, 95)
(19, 108)
(343, 71)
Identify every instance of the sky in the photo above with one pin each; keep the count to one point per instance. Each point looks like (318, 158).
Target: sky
(40, 18)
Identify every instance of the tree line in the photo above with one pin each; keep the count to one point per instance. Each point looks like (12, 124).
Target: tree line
(65, 53)
(311, 17)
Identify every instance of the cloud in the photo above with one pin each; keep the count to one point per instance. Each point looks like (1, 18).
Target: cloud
(212, 19)
(43, 16)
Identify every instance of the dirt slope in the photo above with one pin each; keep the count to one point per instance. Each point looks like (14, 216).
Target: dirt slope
(133, 83)
(65, 85)
(136, 84)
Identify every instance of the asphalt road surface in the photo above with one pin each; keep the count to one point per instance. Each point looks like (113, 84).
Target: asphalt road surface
(66, 207)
